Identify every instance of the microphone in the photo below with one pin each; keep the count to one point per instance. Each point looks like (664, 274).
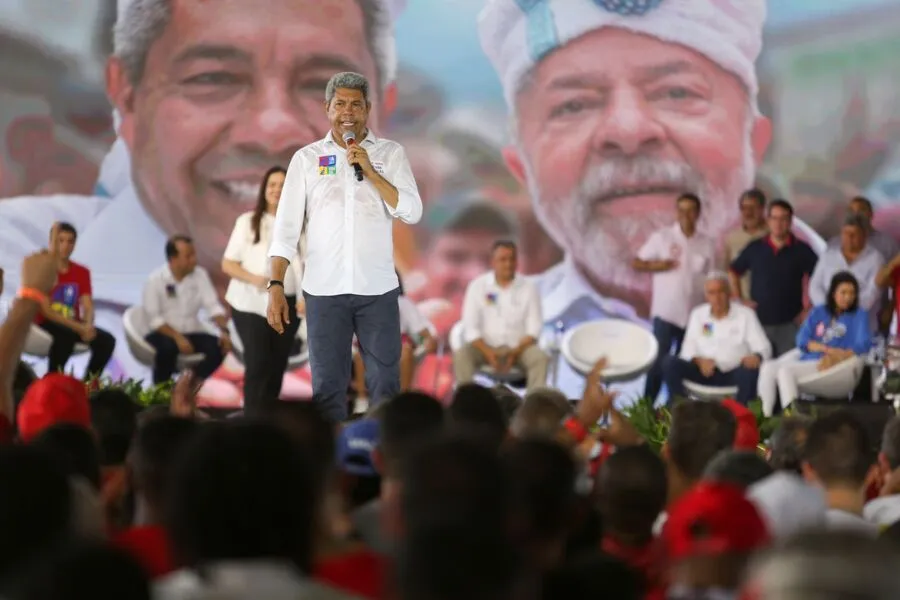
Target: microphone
(350, 140)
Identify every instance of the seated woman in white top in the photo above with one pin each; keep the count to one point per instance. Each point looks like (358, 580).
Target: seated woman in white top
(832, 333)
(265, 351)
(415, 332)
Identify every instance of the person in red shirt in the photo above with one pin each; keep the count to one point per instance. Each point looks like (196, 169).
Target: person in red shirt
(155, 451)
(68, 316)
(889, 277)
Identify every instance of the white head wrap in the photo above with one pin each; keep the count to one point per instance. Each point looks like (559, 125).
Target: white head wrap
(517, 34)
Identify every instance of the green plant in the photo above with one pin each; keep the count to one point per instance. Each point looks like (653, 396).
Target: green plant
(765, 425)
(651, 422)
(146, 396)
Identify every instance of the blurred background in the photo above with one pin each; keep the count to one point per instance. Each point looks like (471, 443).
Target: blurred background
(829, 73)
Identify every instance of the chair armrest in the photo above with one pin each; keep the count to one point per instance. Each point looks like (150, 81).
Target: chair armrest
(38, 341)
(139, 347)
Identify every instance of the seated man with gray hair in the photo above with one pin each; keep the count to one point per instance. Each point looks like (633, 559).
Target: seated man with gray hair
(724, 345)
(502, 321)
(856, 255)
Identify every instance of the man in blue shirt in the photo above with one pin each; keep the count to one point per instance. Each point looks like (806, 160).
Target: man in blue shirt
(779, 264)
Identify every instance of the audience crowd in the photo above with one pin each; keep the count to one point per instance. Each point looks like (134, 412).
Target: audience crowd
(486, 495)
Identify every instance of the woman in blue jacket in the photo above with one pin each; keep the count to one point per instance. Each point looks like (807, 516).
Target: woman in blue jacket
(832, 333)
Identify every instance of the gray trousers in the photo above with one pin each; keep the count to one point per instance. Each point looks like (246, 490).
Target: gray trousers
(782, 337)
(331, 323)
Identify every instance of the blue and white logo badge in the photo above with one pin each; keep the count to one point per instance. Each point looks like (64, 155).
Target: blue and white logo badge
(628, 7)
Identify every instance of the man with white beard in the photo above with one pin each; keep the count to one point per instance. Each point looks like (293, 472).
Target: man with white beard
(617, 108)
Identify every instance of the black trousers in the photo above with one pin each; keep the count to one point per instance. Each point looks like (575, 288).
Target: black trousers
(63, 346)
(166, 362)
(266, 354)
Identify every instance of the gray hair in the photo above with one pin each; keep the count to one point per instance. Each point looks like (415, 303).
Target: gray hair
(347, 81)
(742, 468)
(718, 276)
(144, 21)
(540, 414)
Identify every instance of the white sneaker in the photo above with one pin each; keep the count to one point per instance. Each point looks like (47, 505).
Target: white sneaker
(361, 406)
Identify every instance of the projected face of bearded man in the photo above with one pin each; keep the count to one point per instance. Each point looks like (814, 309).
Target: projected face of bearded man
(606, 145)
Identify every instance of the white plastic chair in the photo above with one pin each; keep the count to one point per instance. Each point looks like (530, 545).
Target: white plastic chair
(458, 341)
(137, 326)
(835, 383)
(629, 348)
(39, 341)
(709, 392)
(295, 361)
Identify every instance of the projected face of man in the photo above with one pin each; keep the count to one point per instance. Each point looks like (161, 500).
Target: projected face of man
(604, 146)
(227, 91)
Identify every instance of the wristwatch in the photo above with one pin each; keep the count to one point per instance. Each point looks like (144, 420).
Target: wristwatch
(274, 282)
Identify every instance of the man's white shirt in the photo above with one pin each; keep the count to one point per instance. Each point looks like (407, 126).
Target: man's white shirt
(349, 227)
(726, 340)
(177, 304)
(678, 290)
(864, 268)
(501, 316)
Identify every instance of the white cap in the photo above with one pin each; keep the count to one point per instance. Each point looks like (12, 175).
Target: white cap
(517, 34)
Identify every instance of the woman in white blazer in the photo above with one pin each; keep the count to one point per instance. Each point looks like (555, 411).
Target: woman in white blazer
(265, 351)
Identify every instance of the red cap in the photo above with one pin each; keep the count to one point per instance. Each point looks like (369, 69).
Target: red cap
(746, 436)
(55, 398)
(713, 518)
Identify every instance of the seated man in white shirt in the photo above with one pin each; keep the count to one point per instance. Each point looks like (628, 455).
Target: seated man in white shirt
(173, 296)
(724, 345)
(502, 321)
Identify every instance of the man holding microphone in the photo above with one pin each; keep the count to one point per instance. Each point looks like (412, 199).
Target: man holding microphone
(345, 189)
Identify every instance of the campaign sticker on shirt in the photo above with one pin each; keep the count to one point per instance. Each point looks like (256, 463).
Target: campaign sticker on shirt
(328, 164)
(820, 330)
(64, 299)
(378, 166)
(707, 329)
(833, 332)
